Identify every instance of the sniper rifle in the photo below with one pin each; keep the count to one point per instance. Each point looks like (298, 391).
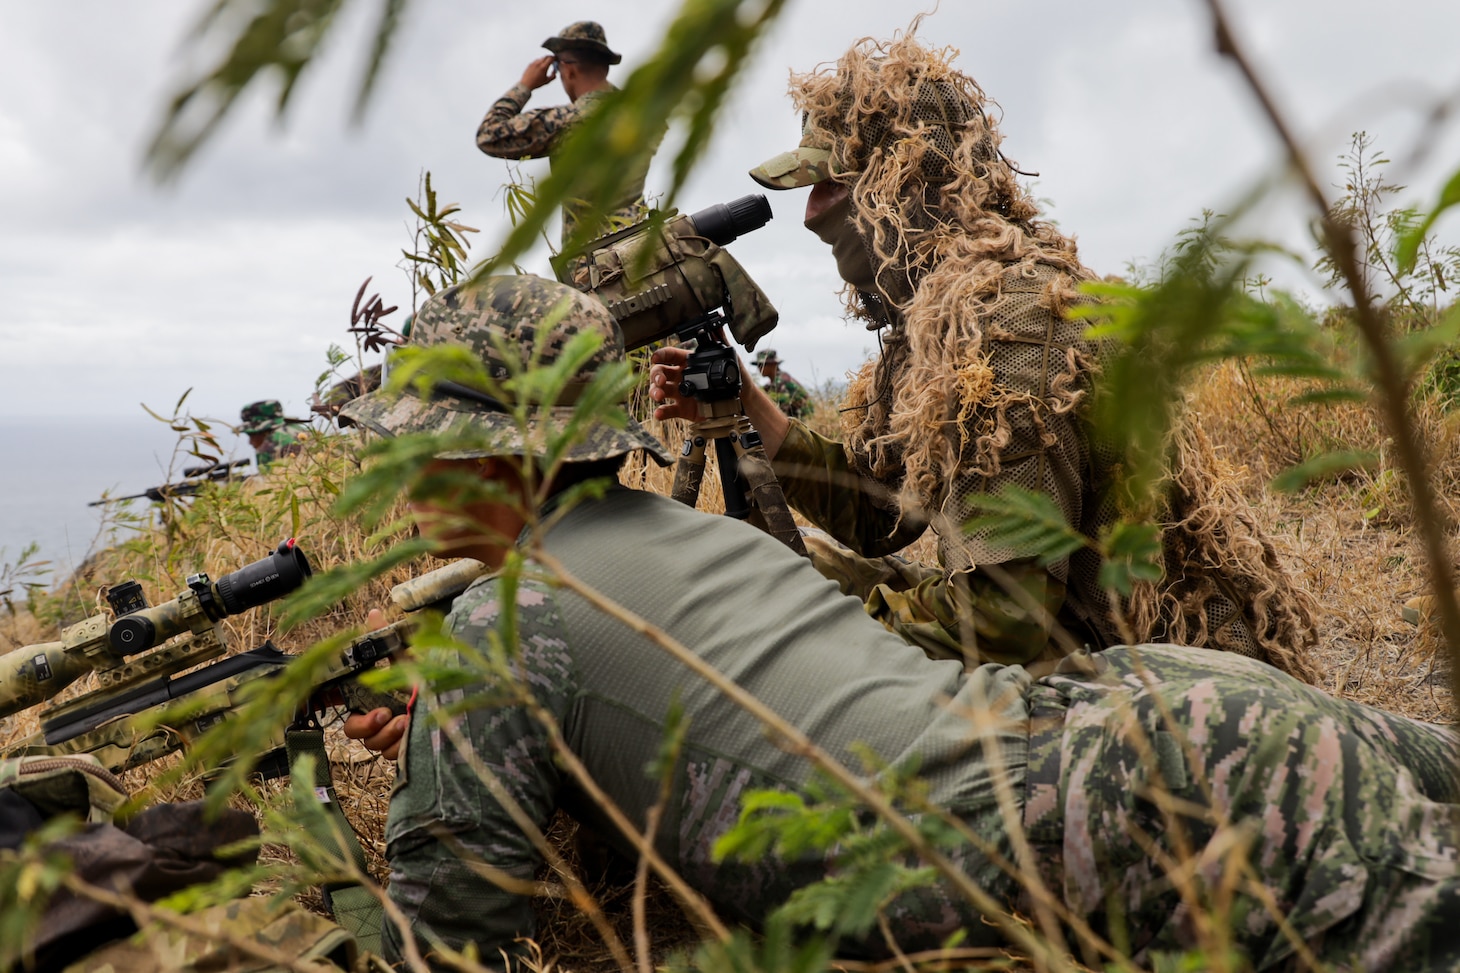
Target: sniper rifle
(114, 721)
(193, 479)
(118, 722)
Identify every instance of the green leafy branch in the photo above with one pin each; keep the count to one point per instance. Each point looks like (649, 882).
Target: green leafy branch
(438, 259)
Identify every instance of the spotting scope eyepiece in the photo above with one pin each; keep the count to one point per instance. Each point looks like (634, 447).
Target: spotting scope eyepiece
(724, 223)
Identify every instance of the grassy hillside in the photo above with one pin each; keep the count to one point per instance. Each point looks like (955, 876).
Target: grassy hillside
(1347, 537)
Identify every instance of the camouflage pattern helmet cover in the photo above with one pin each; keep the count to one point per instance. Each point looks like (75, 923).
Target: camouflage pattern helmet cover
(506, 314)
(585, 35)
(265, 415)
(766, 356)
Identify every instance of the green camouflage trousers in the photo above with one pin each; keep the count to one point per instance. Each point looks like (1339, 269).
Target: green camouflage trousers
(1346, 815)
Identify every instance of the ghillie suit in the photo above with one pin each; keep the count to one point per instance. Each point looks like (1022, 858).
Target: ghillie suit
(983, 377)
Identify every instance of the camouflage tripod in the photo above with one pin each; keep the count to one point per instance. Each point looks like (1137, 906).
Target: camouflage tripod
(752, 492)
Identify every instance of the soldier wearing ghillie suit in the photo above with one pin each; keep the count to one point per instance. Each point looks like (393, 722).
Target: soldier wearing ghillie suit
(789, 395)
(1136, 783)
(983, 382)
(581, 58)
(269, 433)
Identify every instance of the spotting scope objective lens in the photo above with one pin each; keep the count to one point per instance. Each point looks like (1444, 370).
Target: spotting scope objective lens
(265, 579)
(723, 223)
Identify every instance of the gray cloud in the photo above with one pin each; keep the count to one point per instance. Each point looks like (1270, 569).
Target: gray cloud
(236, 279)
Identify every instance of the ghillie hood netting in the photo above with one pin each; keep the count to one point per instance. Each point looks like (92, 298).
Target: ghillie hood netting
(982, 374)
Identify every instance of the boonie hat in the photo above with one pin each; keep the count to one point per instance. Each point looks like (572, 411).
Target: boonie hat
(506, 315)
(585, 35)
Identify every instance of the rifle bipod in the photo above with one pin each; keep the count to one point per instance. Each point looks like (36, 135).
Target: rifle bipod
(746, 476)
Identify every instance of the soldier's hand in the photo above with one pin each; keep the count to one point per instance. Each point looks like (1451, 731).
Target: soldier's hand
(378, 731)
(539, 72)
(666, 370)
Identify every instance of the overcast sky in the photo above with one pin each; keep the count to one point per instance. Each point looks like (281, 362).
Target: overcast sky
(235, 280)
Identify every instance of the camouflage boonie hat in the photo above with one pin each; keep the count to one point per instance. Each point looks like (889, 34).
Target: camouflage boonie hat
(585, 35)
(806, 165)
(506, 312)
(262, 416)
(766, 356)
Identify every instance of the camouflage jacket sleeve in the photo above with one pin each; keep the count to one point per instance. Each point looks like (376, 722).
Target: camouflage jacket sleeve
(508, 132)
(450, 830)
(971, 616)
(967, 615)
(820, 482)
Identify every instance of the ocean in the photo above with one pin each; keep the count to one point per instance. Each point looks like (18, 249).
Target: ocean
(51, 467)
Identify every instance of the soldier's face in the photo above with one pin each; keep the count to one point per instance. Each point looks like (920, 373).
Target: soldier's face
(829, 216)
(257, 439)
(824, 195)
(465, 523)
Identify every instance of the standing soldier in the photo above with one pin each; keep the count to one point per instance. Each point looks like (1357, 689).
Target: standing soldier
(269, 433)
(580, 58)
(787, 393)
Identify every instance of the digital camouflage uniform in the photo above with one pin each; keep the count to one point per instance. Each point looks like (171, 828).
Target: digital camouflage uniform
(508, 131)
(1348, 813)
(267, 416)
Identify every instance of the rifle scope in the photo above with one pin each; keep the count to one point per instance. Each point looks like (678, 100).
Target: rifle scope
(248, 587)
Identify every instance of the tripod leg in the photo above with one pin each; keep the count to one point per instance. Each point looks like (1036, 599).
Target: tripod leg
(737, 504)
(689, 472)
(767, 496)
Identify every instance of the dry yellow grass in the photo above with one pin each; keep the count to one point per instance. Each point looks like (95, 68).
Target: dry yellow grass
(1350, 541)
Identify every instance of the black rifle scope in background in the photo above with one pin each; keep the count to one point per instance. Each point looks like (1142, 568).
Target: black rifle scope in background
(248, 587)
(723, 223)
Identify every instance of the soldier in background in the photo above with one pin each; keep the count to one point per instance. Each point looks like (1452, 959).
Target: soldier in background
(269, 433)
(580, 58)
(787, 393)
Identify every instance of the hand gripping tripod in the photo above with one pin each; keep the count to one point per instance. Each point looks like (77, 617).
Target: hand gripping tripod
(752, 492)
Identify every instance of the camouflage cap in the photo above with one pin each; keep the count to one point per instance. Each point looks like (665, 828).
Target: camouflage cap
(807, 164)
(766, 356)
(505, 313)
(585, 35)
(265, 415)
